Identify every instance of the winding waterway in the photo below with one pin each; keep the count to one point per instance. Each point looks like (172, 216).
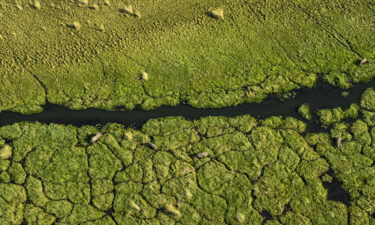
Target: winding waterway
(321, 96)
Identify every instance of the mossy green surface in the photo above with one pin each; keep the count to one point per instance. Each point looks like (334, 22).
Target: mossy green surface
(367, 101)
(330, 116)
(304, 111)
(92, 55)
(253, 172)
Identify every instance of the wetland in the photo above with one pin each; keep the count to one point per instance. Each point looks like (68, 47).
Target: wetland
(201, 112)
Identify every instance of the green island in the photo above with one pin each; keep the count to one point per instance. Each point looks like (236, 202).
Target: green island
(215, 170)
(117, 55)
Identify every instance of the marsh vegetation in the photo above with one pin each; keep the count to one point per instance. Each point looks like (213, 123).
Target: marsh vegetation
(215, 170)
(116, 55)
(260, 48)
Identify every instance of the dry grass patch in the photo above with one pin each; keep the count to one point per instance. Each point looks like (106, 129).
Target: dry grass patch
(75, 25)
(5, 152)
(144, 76)
(18, 6)
(94, 6)
(101, 27)
(35, 4)
(171, 210)
(130, 10)
(136, 13)
(217, 13)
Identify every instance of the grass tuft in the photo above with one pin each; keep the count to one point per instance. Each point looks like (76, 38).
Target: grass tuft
(345, 94)
(144, 76)
(101, 27)
(94, 6)
(363, 61)
(188, 194)
(136, 13)
(304, 111)
(5, 152)
(240, 217)
(151, 145)
(95, 138)
(134, 206)
(127, 9)
(75, 25)
(18, 6)
(36, 4)
(130, 10)
(217, 13)
(85, 2)
(202, 155)
(128, 135)
(171, 210)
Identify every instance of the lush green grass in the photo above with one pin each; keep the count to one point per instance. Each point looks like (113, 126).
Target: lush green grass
(260, 47)
(215, 170)
(305, 112)
(331, 116)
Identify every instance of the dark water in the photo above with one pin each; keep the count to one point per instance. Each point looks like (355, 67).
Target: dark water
(335, 192)
(321, 96)
(266, 215)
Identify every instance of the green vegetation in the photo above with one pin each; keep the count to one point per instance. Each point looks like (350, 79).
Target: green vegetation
(367, 101)
(91, 53)
(215, 170)
(330, 116)
(304, 111)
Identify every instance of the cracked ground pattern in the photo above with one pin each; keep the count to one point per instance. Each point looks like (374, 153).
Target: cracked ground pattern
(215, 170)
(259, 48)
